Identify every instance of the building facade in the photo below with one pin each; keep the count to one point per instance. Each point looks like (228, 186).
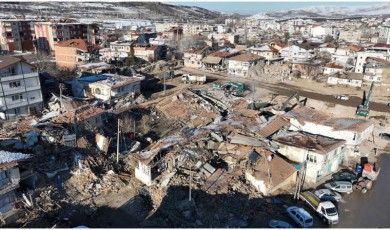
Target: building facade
(48, 34)
(17, 35)
(20, 92)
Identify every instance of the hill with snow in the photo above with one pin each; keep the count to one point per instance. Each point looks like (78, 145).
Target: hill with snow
(328, 12)
(106, 10)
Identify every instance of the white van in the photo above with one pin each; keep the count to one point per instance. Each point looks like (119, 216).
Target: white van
(300, 216)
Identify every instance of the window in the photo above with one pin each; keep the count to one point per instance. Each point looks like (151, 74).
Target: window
(17, 110)
(312, 158)
(17, 97)
(14, 84)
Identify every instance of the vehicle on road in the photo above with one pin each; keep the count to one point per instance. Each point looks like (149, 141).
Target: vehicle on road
(342, 97)
(188, 78)
(339, 186)
(279, 224)
(300, 216)
(345, 176)
(325, 209)
(328, 195)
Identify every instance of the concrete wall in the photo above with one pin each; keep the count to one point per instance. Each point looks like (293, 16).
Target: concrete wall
(143, 173)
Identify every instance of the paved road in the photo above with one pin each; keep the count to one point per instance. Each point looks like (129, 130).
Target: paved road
(370, 210)
(289, 90)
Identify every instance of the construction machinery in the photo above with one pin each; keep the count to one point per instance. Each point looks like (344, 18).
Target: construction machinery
(363, 110)
(233, 88)
(284, 105)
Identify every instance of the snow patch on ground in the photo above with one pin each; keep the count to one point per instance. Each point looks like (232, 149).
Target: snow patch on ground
(6, 157)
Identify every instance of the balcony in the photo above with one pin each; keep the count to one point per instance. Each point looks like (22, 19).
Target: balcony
(33, 100)
(18, 103)
(11, 77)
(14, 90)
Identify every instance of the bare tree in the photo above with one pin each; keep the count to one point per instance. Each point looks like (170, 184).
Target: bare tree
(41, 59)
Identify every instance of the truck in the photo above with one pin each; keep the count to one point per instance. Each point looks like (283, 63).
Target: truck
(188, 78)
(325, 209)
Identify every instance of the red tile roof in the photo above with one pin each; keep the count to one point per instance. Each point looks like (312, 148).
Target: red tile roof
(380, 60)
(246, 57)
(334, 66)
(74, 43)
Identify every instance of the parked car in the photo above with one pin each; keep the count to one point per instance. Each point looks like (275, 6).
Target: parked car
(328, 195)
(279, 224)
(345, 176)
(340, 186)
(342, 97)
(300, 216)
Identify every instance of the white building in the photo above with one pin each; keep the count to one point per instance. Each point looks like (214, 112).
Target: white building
(322, 154)
(20, 92)
(353, 131)
(346, 78)
(375, 69)
(239, 65)
(120, 50)
(384, 34)
(106, 87)
(295, 53)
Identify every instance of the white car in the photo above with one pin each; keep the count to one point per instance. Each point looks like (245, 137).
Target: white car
(328, 195)
(342, 97)
(300, 216)
(339, 186)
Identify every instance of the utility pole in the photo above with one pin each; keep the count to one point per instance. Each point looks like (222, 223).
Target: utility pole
(117, 142)
(253, 95)
(165, 86)
(189, 196)
(62, 87)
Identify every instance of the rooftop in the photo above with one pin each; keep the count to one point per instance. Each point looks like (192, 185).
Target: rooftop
(114, 81)
(312, 142)
(74, 43)
(7, 61)
(246, 57)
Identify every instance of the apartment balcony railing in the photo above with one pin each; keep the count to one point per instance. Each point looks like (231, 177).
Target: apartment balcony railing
(13, 76)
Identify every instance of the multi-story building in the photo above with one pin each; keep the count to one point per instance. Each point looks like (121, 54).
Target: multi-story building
(48, 34)
(350, 35)
(193, 58)
(20, 92)
(16, 34)
(120, 50)
(239, 65)
(384, 34)
(148, 53)
(72, 53)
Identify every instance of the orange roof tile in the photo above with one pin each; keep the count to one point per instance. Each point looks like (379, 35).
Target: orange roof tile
(74, 43)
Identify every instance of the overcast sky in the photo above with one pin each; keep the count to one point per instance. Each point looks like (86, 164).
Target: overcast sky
(256, 7)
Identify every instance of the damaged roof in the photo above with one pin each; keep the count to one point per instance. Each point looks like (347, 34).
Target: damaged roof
(313, 142)
(306, 114)
(277, 169)
(273, 126)
(74, 43)
(352, 124)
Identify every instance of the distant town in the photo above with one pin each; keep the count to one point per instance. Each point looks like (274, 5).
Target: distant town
(153, 115)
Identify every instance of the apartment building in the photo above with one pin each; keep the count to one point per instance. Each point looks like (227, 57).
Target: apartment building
(72, 53)
(20, 91)
(48, 34)
(120, 49)
(384, 34)
(16, 34)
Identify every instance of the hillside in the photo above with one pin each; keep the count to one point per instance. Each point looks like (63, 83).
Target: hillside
(107, 10)
(328, 12)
